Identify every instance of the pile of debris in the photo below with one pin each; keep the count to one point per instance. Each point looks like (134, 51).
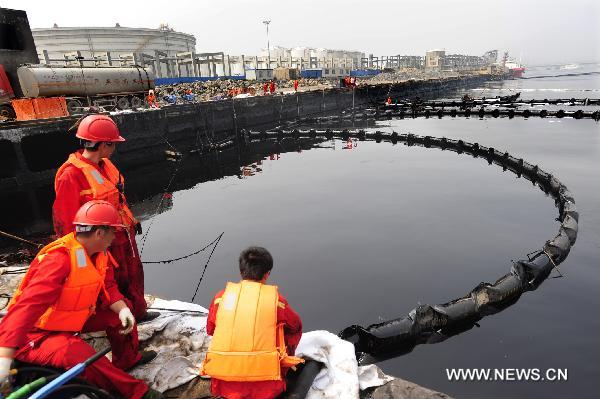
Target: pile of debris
(306, 82)
(405, 74)
(225, 88)
(209, 90)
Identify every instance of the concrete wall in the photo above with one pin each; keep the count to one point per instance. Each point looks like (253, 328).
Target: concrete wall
(31, 151)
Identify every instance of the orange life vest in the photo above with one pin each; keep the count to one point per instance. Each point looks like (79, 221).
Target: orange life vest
(79, 294)
(100, 187)
(248, 344)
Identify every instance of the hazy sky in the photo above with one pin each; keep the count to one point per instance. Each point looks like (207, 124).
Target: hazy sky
(542, 31)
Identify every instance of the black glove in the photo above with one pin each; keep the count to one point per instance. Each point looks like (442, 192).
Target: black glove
(138, 228)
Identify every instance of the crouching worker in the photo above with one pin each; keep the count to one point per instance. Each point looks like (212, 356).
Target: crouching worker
(254, 332)
(68, 289)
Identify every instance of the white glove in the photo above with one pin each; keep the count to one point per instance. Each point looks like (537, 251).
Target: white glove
(5, 364)
(127, 320)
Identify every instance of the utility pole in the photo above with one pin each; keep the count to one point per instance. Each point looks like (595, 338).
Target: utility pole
(267, 22)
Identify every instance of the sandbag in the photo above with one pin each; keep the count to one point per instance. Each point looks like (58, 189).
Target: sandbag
(559, 247)
(491, 298)
(570, 227)
(534, 272)
(459, 310)
(570, 209)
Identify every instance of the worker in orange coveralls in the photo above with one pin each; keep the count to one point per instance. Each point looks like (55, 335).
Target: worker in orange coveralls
(69, 289)
(151, 99)
(265, 89)
(272, 87)
(89, 174)
(295, 84)
(239, 343)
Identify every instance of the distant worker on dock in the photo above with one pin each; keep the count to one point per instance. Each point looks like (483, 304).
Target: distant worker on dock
(89, 174)
(249, 356)
(272, 87)
(265, 89)
(151, 99)
(295, 84)
(68, 289)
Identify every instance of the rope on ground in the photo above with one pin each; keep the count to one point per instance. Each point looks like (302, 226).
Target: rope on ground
(14, 271)
(206, 265)
(185, 256)
(14, 237)
(8, 298)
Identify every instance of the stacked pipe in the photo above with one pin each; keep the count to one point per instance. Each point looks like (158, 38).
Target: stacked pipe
(434, 323)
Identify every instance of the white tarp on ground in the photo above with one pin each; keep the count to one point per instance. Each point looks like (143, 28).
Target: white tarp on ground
(179, 336)
(341, 377)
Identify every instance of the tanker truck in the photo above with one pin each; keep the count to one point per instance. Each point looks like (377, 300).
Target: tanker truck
(75, 88)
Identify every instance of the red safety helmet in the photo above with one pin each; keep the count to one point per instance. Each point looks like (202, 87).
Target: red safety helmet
(98, 213)
(98, 128)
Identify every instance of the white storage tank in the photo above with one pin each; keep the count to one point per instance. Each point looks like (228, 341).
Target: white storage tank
(82, 82)
(118, 40)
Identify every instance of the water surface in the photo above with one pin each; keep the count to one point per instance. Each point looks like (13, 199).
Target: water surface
(364, 234)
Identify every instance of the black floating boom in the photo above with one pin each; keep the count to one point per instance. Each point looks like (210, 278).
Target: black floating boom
(435, 323)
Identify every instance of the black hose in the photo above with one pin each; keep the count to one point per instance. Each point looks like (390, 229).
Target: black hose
(79, 389)
(29, 373)
(299, 382)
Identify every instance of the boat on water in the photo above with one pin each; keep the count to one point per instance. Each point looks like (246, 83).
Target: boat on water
(513, 67)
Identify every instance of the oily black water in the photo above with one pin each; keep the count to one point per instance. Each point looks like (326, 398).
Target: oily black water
(361, 232)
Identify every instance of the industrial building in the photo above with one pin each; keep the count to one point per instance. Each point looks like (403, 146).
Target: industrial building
(110, 45)
(440, 61)
(434, 59)
(171, 54)
(310, 58)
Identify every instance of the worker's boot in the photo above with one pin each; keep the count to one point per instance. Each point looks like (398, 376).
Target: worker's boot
(147, 357)
(152, 394)
(149, 317)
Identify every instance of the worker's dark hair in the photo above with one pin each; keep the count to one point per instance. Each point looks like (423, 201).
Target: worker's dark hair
(90, 145)
(93, 229)
(255, 262)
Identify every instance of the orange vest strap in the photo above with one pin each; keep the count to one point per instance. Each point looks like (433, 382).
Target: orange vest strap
(285, 359)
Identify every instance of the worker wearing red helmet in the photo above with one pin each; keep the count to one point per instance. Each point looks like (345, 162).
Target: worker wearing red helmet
(69, 288)
(89, 174)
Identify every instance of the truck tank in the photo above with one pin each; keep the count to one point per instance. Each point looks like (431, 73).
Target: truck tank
(48, 81)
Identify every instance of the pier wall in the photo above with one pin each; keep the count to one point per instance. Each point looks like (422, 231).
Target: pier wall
(31, 151)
